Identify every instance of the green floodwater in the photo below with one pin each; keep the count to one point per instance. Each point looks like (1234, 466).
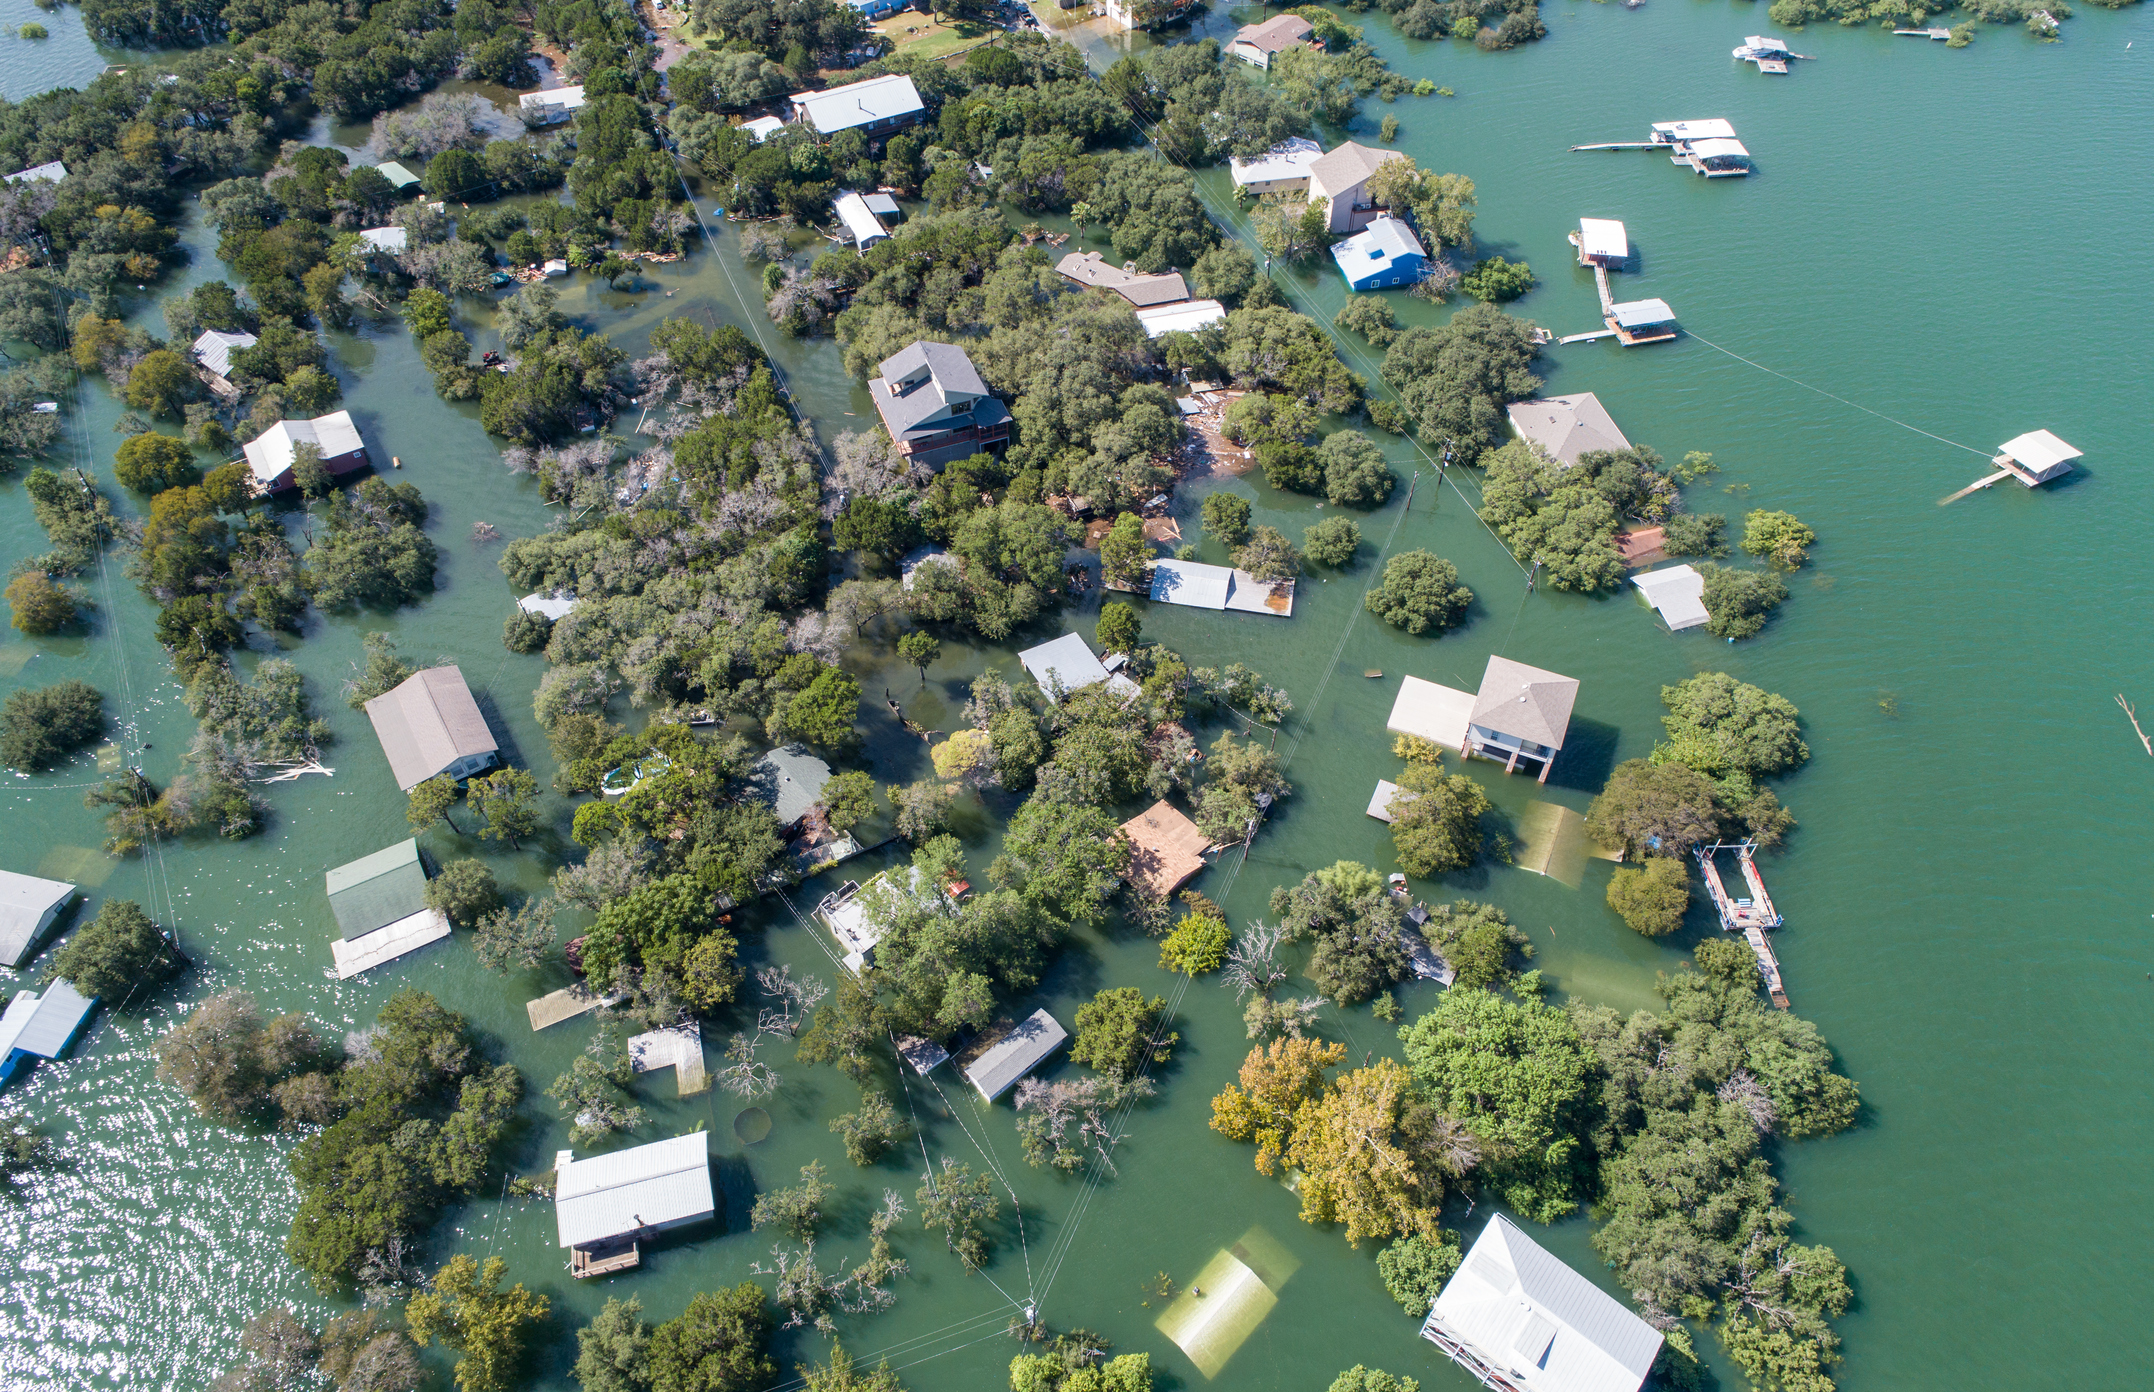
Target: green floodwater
(1953, 239)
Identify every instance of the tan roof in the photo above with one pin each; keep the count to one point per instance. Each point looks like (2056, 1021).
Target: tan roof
(1348, 165)
(1092, 269)
(1566, 427)
(1524, 702)
(1282, 32)
(427, 723)
(1165, 848)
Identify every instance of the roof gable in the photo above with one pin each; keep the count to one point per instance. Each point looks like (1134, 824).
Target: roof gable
(1350, 164)
(1546, 1325)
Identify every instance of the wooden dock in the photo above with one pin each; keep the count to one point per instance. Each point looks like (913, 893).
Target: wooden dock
(1622, 145)
(565, 1004)
(1587, 337)
(678, 1047)
(604, 1260)
(1750, 917)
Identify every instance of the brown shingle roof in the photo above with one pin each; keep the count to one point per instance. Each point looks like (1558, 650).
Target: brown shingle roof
(1143, 291)
(1165, 848)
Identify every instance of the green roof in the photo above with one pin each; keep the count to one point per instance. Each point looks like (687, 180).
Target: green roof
(377, 890)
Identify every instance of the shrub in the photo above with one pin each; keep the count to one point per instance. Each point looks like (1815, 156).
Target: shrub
(1118, 627)
(1652, 898)
(1415, 1269)
(1118, 1031)
(1496, 280)
(1436, 820)
(464, 891)
(1226, 518)
(1197, 945)
(1420, 591)
(526, 632)
(1738, 602)
(1268, 555)
(1778, 537)
(40, 727)
(1355, 473)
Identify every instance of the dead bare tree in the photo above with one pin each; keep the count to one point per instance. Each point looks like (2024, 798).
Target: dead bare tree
(794, 1000)
(2133, 716)
(745, 1075)
(1253, 961)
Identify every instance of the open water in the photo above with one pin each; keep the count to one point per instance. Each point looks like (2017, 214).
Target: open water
(1953, 239)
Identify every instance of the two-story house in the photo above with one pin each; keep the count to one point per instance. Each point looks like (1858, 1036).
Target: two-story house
(935, 406)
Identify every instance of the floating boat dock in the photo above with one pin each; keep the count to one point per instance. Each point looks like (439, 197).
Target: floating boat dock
(1770, 54)
(1924, 33)
(1708, 147)
(1751, 917)
(2033, 458)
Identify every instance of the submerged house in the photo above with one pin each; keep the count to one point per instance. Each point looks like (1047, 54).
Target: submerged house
(1519, 1320)
(214, 349)
(1187, 316)
(1258, 44)
(270, 454)
(606, 1206)
(1678, 593)
(430, 725)
(1010, 1058)
(381, 909)
(1519, 713)
(1565, 427)
(789, 781)
(41, 1025)
(1165, 849)
(1068, 664)
(860, 220)
(859, 915)
(28, 906)
(935, 406)
(877, 106)
(1384, 254)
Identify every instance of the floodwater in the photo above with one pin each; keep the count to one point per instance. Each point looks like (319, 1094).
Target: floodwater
(1933, 244)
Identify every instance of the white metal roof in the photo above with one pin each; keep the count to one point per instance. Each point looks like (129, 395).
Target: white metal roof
(1289, 159)
(1017, 1053)
(269, 454)
(1695, 130)
(43, 1024)
(1548, 1327)
(389, 239)
(648, 1186)
(560, 98)
(553, 606)
(214, 349)
(397, 175)
(1678, 593)
(1603, 237)
(1067, 660)
(852, 210)
(1719, 149)
(1435, 713)
(1385, 239)
(27, 907)
(1633, 314)
(49, 173)
(1186, 317)
(1191, 583)
(762, 127)
(860, 103)
(2039, 450)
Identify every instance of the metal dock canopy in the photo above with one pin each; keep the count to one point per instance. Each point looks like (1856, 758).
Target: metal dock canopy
(2036, 457)
(1678, 132)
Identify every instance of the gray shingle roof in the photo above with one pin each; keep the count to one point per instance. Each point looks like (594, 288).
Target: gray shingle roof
(1567, 426)
(789, 781)
(950, 373)
(1524, 701)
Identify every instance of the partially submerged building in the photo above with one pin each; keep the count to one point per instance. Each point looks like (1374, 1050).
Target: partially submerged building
(1017, 1053)
(2036, 457)
(859, 219)
(1678, 593)
(550, 107)
(401, 178)
(1340, 181)
(606, 1206)
(1188, 316)
(1428, 711)
(381, 909)
(1284, 168)
(935, 406)
(270, 454)
(1068, 664)
(1520, 712)
(1258, 44)
(51, 172)
(789, 781)
(1196, 585)
(41, 1025)
(429, 725)
(1092, 271)
(1381, 256)
(1165, 849)
(1601, 242)
(858, 915)
(214, 349)
(1519, 1320)
(877, 106)
(1642, 321)
(1565, 427)
(28, 907)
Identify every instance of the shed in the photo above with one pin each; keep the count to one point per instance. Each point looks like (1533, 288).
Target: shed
(1517, 1318)
(548, 108)
(1067, 663)
(1186, 317)
(876, 105)
(1017, 1053)
(28, 905)
(390, 241)
(270, 454)
(629, 1193)
(1435, 713)
(1384, 254)
(1284, 168)
(41, 1025)
(859, 223)
(1520, 712)
(762, 128)
(1165, 849)
(429, 725)
(214, 349)
(51, 172)
(789, 781)
(1678, 593)
(1565, 427)
(2036, 457)
(1602, 241)
(398, 176)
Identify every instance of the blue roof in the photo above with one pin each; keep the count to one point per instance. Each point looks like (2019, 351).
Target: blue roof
(1385, 246)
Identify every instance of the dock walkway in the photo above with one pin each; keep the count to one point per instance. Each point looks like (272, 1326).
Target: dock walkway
(679, 1048)
(1750, 917)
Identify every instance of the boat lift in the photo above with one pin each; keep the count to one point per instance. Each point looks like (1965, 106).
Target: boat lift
(1750, 917)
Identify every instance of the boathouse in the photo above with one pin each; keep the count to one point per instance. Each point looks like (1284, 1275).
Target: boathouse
(1678, 593)
(269, 454)
(2036, 457)
(1384, 254)
(1683, 132)
(28, 906)
(1196, 585)
(1067, 664)
(935, 406)
(1602, 242)
(1284, 168)
(877, 106)
(1340, 181)
(1519, 1320)
(549, 108)
(1165, 849)
(1090, 270)
(1641, 321)
(429, 725)
(1520, 712)
(1565, 427)
(1017, 1053)
(381, 909)
(1258, 44)
(41, 1025)
(606, 1206)
(1715, 159)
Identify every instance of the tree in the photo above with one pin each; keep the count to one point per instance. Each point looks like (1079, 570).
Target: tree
(1720, 726)
(1436, 820)
(1361, 1379)
(959, 1204)
(42, 726)
(506, 799)
(1414, 1270)
(1517, 1074)
(1355, 474)
(1331, 542)
(824, 713)
(1419, 591)
(1119, 1032)
(1226, 518)
(1456, 379)
(430, 803)
(1441, 205)
(1124, 554)
(1654, 809)
(1652, 898)
(1778, 537)
(920, 650)
(1374, 1156)
(1370, 316)
(1262, 1105)
(1118, 627)
(1496, 280)
(1355, 925)
(520, 940)
(920, 809)
(1267, 555)
(871, 1129)
(1063, 860)
(467, 1310)
(848, 800)
(1080, 1366)
(161, 383)
(150, 462)
(613, 1351)
(797, 1210)
(592, 1093)
(716, 1345)
(38, 605)
(965, 755)
(1482, 945)
(1737, 602)
(230, 1062)
(115, 953)
(1197, 945)
(464, 892)
(385, 670)
(840, 1374)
